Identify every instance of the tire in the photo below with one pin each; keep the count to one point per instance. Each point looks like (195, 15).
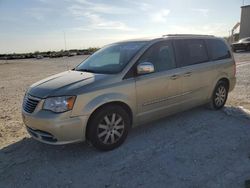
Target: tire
(248, 48)
(219, 96)
(108, 128)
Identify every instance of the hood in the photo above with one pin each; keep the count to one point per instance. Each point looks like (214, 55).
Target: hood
(235, 43)
(63, 83)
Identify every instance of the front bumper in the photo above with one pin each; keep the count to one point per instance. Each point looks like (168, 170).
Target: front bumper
(56, 129)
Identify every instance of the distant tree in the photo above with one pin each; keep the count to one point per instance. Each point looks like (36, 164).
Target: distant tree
(60, 53)
(92, 50)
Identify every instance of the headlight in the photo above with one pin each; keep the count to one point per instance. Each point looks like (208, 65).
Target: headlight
(59, 104)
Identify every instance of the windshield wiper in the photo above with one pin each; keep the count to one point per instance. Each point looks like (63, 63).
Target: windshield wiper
(86, 70)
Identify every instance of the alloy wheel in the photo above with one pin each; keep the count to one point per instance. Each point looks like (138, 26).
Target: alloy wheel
(220, 96)
(111, 128)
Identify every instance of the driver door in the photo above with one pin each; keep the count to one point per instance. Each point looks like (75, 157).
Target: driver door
(158, 91)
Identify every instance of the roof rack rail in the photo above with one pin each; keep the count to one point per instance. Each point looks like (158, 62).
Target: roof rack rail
(188, 35)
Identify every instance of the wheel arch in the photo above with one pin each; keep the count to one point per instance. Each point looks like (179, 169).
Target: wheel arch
(226, 80)
(122, 104)
(223, 78)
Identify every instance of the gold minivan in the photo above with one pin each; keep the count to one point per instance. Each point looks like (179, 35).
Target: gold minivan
(129, 83)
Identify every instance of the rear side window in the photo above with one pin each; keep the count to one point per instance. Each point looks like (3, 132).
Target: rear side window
(190, 52)
(218, 49)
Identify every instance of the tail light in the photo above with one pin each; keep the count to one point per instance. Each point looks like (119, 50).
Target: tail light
(234, 62)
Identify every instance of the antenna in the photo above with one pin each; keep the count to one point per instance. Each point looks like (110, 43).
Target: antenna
(65, 48)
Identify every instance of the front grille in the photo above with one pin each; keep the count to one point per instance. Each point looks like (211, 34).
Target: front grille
(238, 45)
(30, 103)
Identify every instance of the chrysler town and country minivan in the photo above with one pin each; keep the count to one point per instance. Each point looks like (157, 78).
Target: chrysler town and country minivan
(126, 84)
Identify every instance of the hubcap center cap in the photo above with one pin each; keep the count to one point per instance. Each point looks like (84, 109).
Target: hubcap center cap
(110, 127)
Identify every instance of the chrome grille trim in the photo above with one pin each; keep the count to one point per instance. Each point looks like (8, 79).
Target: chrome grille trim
(30, 103)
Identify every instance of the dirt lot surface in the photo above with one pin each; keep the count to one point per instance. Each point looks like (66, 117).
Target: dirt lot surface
(241, 94)
(198, 148)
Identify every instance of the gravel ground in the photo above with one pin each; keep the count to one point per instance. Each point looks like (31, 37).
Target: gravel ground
(242, 56)
(240, 96)
(198, 148)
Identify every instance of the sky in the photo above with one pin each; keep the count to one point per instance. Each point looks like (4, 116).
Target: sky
(42, 25)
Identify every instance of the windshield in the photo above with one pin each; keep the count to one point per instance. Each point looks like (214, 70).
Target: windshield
(111, 59)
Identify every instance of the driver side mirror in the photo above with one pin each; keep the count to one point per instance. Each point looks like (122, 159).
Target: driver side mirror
(145, 68)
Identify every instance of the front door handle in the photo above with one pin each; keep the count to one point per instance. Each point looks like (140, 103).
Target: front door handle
(187, 74)
(174, 77)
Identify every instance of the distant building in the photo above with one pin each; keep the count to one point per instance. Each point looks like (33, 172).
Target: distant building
(245, 22)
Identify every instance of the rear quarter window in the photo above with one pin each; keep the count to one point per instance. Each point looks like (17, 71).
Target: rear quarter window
(217, 49)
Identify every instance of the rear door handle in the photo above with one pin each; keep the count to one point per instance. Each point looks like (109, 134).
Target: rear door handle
(187, 74)
(174, 77)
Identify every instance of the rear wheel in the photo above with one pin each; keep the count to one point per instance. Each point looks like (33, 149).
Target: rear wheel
(108, 127)
(248, 47)
(219, 97)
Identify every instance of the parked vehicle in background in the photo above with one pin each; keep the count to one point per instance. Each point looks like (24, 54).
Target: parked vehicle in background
(243, 44)
(126, 84)
(39, 57)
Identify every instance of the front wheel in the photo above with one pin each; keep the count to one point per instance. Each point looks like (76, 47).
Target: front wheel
(219, 97)
(108, 127)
